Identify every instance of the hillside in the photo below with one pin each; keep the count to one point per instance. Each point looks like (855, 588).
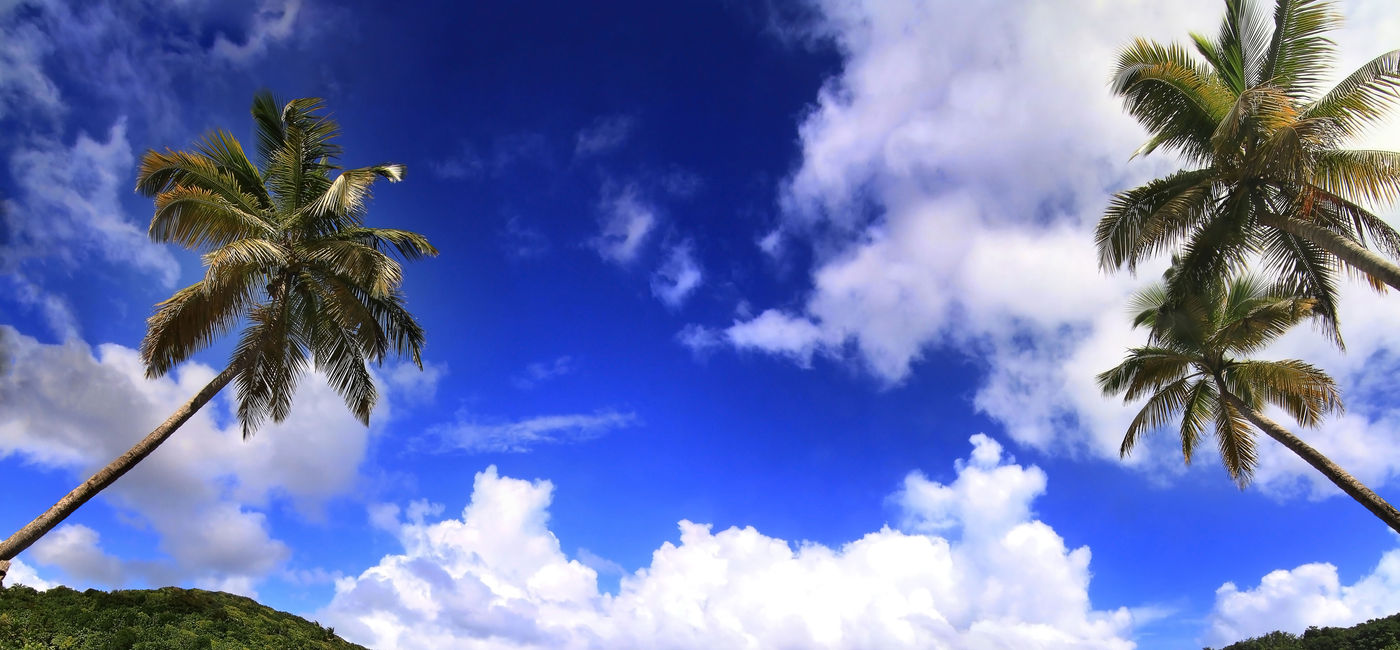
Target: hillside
(165, 618)
(1376, 634)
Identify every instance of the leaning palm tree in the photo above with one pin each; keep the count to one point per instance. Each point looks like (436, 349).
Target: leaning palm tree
(1269, 172)
(1190, 370)
(286, 252)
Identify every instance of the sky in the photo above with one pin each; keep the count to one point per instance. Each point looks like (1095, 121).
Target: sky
(755, 324)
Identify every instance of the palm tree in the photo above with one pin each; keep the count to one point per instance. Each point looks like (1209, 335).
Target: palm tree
(1189, 370)
(1268, 171)
(286, 251)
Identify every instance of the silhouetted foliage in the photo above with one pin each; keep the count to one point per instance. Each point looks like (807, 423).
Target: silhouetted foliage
(151, 618)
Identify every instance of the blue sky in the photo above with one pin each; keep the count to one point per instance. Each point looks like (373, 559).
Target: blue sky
(814, 280)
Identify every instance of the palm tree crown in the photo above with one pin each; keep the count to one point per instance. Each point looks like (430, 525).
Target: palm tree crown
(1190, 368)
(1268, 174)
(286, 249)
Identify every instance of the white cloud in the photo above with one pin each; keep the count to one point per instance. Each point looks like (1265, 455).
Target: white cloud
(678, 277)
(603, 135)
(74, 549)
(414, 385)
(271, 23)
(985, 574)
(75, 408)
(470, 434)
(1295, 599)
(627, 220)
(24, 87)
(23, 574)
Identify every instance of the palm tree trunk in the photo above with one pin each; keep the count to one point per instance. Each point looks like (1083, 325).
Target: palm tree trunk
(1348, 251)
(107, 475)
(1348, 483)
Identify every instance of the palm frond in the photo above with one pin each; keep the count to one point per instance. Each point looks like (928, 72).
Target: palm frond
(1299, 54)
(1200, 406)
(271, 357)
(361, 265)
(1303, 269)
(1144, 370)
(162, 172)
(1359, 176)
(190, 320)
(1234, 436)
(1146, 220)
(1161, 408)
(267, 120)
(1170, 94)
(1363, 97)
(198, 219)
(1303, 391)
(409, 245)
(225, 151)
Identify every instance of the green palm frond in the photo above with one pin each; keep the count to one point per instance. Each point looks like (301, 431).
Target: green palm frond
(1146, 220)
(1299, 53)
(410, 246)
(1361, 99)
(1234, 437)
(1304, 270)
(192, 318)
(162, 172)
(224, 150)
(1162, 407)
(1358, 176)
(1201, 405)
(1306, 393)
(1177, 99)
(199, 219)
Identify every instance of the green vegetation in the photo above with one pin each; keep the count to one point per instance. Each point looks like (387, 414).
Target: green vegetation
(149, 619)
(1376, 634)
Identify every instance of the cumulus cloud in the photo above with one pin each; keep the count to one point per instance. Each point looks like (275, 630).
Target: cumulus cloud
(72, 407)
(1294, 599)
(678, 277)
(970, 568)
(603, 135)
(627, 221)
(23, 574)
(471, 434)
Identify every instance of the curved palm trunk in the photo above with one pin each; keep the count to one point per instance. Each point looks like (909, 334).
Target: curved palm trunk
(1348, 483)
(107, 475)
(1358, 256)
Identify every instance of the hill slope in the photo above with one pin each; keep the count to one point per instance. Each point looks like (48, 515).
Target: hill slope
(1375, 634)
(156, 618)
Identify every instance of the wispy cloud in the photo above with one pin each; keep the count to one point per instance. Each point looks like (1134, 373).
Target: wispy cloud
(627, 220)
(603, 135)
(272, 23)
(678, 277)
(470, 434)
(523, 241)
(542, 371)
